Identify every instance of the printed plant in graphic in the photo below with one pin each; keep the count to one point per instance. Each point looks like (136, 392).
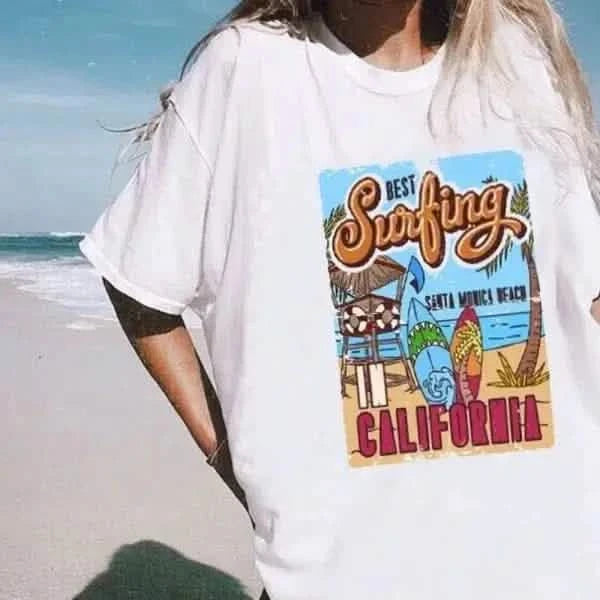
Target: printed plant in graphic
(329, 225)
(509, 378)
(526, 374)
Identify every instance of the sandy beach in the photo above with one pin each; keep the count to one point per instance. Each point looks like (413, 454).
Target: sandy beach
(104, 494)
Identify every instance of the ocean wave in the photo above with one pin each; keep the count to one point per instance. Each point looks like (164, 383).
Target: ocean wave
(38, 234)
(81, 325)
(70, 282)
(39, 246)
(67, 233)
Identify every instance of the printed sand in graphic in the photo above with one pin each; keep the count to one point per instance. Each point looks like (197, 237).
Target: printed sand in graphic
(400, 398)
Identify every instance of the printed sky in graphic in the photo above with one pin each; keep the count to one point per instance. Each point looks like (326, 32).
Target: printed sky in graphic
(463, 173)
(67, 64)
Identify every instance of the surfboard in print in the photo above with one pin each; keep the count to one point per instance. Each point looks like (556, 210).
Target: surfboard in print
(439, 324)
(466, 348)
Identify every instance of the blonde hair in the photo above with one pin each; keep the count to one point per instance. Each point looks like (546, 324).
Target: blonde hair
(468, 28)
(472, 47)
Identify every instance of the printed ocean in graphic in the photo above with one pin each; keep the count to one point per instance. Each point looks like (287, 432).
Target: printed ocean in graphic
(447, 246)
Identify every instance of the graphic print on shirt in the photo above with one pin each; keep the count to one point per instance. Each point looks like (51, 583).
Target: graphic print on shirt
(438, 315)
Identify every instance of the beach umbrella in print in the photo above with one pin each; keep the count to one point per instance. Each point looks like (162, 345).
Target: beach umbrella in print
(361, 283)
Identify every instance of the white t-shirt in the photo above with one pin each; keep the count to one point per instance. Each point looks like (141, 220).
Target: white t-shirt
(398, 326)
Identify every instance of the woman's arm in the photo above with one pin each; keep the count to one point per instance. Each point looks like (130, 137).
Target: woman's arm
(596, 309)
(165, 347)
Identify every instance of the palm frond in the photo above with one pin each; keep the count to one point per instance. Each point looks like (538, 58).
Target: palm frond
(519, 203)
(329, 225)
(520, 206)
(508, 377)
(497, 263)
(335, 216)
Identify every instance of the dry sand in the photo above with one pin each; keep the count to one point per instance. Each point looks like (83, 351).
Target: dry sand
(96, 467)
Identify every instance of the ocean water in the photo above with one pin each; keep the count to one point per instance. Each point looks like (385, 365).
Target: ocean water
(50, 266)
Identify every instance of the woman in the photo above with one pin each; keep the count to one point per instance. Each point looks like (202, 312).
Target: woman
(383, 212)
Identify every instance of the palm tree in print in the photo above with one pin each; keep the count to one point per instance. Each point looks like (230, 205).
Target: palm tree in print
(526, 373)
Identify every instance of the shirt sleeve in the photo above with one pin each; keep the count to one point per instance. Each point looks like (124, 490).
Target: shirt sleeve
(582, 214)
(148, 242)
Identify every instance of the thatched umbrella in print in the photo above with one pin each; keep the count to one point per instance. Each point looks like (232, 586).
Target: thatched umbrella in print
(358, 284)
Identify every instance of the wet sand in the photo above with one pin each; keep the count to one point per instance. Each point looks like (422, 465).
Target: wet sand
(96, 467)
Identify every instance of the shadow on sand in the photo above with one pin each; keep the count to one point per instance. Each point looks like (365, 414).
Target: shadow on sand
(148, 570)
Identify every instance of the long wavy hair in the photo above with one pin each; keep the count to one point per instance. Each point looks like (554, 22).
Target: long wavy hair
(467, 27)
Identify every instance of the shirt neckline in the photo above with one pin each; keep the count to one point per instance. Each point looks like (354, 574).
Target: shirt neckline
(371, 77)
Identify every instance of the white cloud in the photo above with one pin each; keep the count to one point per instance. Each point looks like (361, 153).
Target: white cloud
(55, 159)
(107, 36)
(62, 90)
(156, 23)
(49, 100)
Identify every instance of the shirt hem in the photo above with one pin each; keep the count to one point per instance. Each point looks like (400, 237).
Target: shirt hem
(107, 270)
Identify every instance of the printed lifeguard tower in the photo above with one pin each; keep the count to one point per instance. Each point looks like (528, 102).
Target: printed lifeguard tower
(362, 317)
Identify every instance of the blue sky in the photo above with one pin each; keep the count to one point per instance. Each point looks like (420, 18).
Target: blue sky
(65, 64)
